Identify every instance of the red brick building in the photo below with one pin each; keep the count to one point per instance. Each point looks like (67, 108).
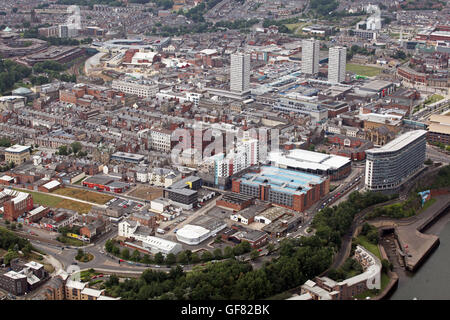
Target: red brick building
(234, 201)
(15, 203)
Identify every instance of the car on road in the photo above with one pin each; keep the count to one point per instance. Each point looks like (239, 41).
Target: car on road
(156, 266)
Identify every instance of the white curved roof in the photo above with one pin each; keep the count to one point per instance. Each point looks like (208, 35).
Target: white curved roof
(190, 231)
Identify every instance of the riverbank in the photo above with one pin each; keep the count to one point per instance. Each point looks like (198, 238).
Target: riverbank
(432, 279)
(415, 245)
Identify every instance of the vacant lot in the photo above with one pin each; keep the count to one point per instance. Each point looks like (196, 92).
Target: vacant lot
(297, 27)
(361, 70)
(48, 200)
(146, 192)
(84, 195)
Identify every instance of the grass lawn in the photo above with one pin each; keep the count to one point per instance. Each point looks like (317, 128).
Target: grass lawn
(333, 187)
(369, 246)
(361, 70)
(426, 205)
(297, 26)
(70, 241)
(55, 202)
(84, 195)
(86, 257)
(147, 192)
(434, 98)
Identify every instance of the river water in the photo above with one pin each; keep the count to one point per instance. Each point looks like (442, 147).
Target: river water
(432, 280)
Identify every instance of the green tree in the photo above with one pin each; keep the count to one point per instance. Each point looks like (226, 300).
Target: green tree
(10, 255)
(125, 254)
(228, 252)
(76, 146)
(62, 150)
(207, 256)
(136, 256)
(386, 265)
(27, 249)
(80, 254)
(217, 254)
(146, 259)
(373, 236)
(115, 251)
(195, 258)
(171, 259)
(109, 245)
(182, 257)
(254, 254)
(159, 258)
(112, 281)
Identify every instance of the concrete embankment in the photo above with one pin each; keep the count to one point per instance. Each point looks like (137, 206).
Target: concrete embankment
(393, 279)
(415, 245)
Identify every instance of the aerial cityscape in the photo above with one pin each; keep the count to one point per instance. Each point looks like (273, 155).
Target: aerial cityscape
(224, 150)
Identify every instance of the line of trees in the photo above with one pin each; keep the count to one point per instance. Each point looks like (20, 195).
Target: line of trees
(184, 257)
(13, 244)
(359, 50)
(74, 148)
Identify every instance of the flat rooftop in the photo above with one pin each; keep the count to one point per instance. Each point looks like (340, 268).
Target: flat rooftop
(17, 148)
(126, 155)
(399, 142)
(282, 180)
(376, 85)
(304, 159)
(101, 180)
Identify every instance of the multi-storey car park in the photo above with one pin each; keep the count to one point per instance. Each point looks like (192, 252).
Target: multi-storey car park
(389, 166)
(287, 188)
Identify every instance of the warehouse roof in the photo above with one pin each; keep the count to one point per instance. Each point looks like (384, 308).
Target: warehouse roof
(160, 243)
(304, 159)
(52, 184)
(190, 231)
